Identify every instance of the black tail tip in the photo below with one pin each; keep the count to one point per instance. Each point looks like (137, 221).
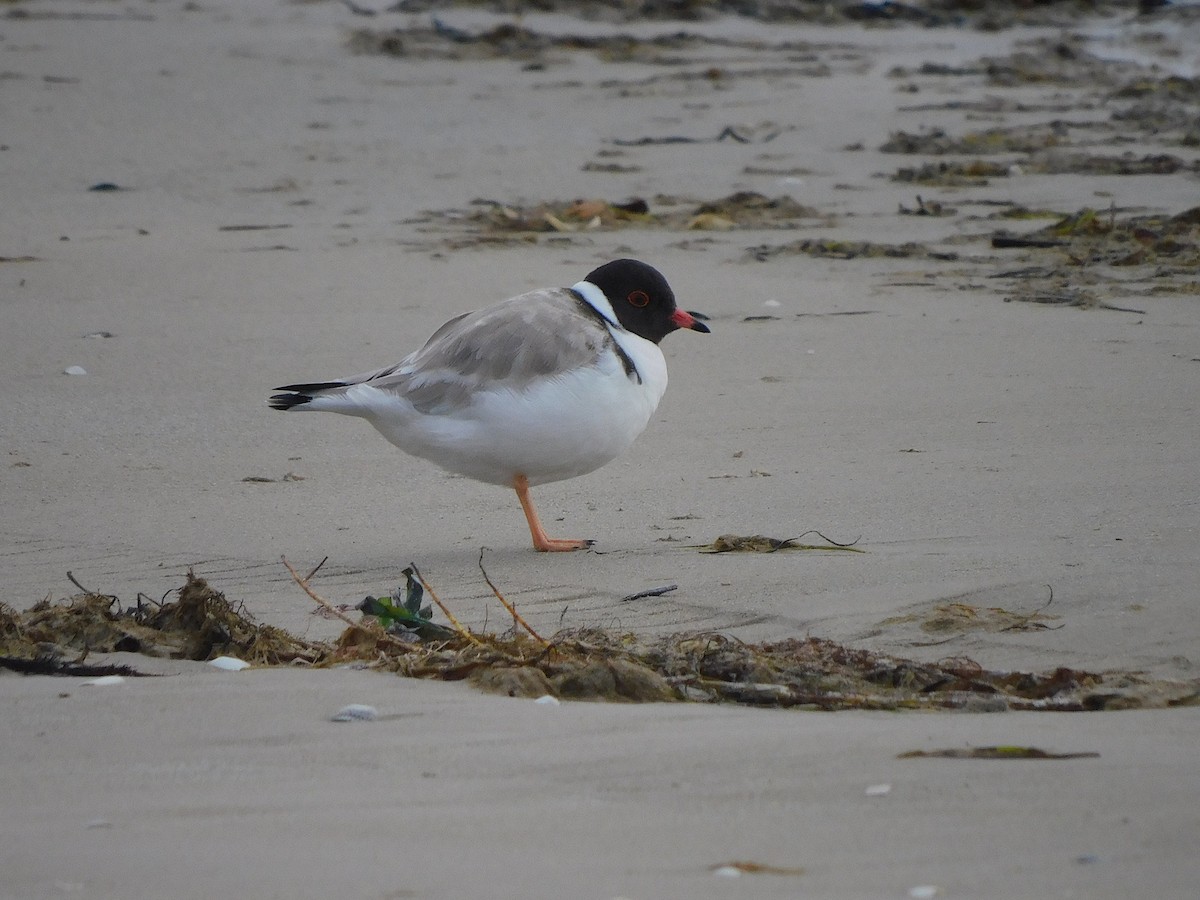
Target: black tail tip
(299, 394)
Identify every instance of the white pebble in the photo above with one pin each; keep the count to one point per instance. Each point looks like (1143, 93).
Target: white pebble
(229, 663)
(772, 303)
(878, 790)
(106, 680)
(74, 370)
(547, 700)
(727, 872)
(924, 891)
(355, 712)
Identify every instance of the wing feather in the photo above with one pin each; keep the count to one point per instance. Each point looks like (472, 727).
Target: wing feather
(505, 346)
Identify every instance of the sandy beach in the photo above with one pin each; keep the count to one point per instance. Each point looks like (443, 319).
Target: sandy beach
(951, 275)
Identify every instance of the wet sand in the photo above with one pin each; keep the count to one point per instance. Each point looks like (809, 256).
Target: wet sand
(291, 210)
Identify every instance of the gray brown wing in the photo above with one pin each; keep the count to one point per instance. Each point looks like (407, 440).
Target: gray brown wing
(507, 345)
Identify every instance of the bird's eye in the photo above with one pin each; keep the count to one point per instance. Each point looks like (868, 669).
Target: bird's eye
(639, 299)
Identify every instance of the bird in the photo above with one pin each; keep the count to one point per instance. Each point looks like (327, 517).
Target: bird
(545, 386)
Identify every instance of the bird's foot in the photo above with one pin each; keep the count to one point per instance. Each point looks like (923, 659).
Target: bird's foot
(545, 544)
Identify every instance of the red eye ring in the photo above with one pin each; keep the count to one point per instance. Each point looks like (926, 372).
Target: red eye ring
(638, 299)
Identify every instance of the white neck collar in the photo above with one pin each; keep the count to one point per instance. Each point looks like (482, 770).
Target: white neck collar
(594, 297)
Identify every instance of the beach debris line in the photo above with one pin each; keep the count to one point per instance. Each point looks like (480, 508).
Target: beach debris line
(927, 208)
(741, 209)
(760, 543)
(573, 664)
(740, 867)
(600, 664)
(442, 40)
(267, 479)
(200, 624)
(831, 248)
(741, 134)
(1001, 751)
(1091, 236)
(955, 618)
(1082, 256)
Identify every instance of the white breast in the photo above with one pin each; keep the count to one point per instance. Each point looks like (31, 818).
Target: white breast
(554, 428)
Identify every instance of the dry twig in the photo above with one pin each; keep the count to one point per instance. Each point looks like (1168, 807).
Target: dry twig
(517, 618)
(458, 626)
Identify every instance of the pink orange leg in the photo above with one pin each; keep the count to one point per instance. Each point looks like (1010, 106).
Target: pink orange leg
(541, 541)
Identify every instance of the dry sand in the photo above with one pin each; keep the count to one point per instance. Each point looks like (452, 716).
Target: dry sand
(982, 452)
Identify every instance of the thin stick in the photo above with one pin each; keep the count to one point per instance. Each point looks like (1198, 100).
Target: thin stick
(517, 619)
(75, 582)
(652, 592)
(303, 582)
(316, 569)
(457, 625)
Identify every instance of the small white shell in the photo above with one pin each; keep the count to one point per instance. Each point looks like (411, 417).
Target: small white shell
(547, 700)
(229, 663)
(355, 712)
(727, 872)
(74, 370)
(878, 790)
(106, 680)
(924, 891)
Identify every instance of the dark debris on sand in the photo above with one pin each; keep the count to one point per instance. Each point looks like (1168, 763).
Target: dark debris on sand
(491, 220)
(984, 14)
(584, 664)
(199, 624)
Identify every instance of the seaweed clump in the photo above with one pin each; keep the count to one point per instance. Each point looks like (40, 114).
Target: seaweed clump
(199, 624)
(809, 673)
(581, 664)
(491, 221)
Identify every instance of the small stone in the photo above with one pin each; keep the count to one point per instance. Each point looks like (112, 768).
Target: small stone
(105, 680)
(355, 712)
(229, 663)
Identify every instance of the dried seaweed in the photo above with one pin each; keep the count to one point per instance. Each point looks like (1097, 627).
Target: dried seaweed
(811, 673)
(760, 543)
(583, 664)
(510, 41)
(952, 174)
(1089, 237)
(839, 249)
(934, 13)
(957, 618)
(744, 209)
(1002, 751)
(200, 624)
(1015, 139)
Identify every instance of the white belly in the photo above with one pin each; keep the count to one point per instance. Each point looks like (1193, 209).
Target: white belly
(556, 428)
